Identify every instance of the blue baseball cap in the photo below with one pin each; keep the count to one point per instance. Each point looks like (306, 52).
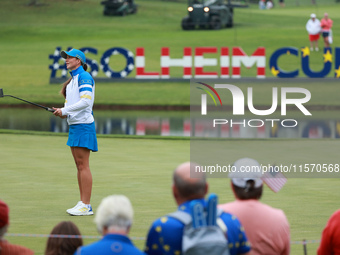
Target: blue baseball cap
(76, 54)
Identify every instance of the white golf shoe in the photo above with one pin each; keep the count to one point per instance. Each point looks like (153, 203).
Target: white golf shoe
(78, 204)
(80, 209)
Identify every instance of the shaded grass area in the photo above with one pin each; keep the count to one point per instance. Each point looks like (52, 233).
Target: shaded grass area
(39, 183)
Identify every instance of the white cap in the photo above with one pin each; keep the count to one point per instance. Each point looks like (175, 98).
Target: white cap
(313, 15)
(246, 169)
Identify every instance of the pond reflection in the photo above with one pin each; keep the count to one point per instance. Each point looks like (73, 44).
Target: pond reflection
(167, 123)
(107, 122)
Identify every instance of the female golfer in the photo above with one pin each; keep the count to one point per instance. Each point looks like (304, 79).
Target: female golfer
(79, 97)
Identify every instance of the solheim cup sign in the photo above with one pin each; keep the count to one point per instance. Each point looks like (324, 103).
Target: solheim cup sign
(195, 61)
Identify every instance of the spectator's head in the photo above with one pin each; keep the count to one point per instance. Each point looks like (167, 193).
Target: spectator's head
(114, 215)
(4, 218)
(326, 15)
(187, 188)
(313, 16)
(65, 246)
(246, 180)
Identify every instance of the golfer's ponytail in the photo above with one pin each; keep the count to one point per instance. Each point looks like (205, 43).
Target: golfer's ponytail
(63, 89)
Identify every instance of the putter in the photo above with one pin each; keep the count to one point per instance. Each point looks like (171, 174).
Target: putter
(41, 106)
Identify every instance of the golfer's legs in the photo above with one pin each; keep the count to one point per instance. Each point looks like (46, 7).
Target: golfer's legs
(81, 157)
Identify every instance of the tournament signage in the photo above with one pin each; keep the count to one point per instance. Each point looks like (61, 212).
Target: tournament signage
(228, 65)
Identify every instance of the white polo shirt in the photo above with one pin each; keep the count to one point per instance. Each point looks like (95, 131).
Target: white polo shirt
(313, 27)
(79, 98)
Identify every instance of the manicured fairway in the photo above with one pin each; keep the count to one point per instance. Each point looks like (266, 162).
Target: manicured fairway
(38, 181)
(37, 172)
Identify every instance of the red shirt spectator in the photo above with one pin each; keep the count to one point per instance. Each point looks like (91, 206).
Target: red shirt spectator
(330, 241)
(326, 25)
(5, 247)
(12, 249)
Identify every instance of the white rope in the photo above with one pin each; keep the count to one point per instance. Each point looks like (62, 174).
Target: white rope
(132, 238)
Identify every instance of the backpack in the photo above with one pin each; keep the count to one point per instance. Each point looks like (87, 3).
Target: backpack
(204, 231)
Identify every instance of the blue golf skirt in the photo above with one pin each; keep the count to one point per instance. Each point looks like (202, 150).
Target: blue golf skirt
(83, 135)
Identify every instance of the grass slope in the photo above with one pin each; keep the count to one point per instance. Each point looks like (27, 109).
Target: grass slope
(33, 33)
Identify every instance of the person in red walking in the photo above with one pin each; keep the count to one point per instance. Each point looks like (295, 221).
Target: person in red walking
(326, 28)
(7, 248)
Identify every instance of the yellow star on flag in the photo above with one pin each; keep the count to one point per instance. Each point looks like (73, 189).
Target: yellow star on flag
(327, 57)
(164, 219)
(274, 71)
(288, 52)
(305, 51)
(337, 71)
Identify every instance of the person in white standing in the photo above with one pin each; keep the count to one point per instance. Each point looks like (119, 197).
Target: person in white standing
(313, 28)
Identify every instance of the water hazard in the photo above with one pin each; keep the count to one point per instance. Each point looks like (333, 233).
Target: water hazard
(168, 123)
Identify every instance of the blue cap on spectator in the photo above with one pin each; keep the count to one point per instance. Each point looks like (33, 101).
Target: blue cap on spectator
(76, 54)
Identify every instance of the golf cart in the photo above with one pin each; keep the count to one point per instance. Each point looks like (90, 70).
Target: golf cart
(212, 14)
(119, 7)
